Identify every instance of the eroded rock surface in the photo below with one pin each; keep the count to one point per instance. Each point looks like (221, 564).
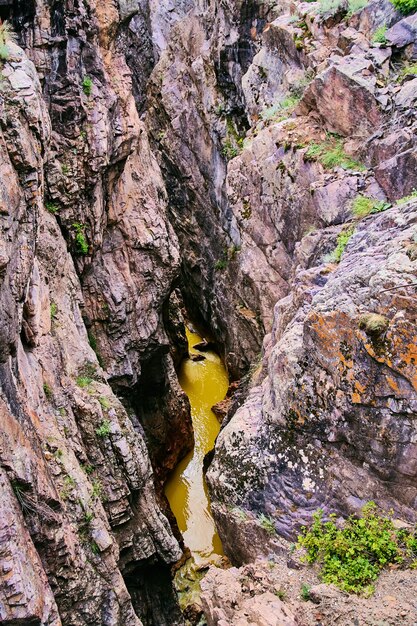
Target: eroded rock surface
(156, 154)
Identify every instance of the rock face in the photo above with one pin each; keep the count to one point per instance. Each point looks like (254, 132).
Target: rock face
(83, 207)
(225, 603)
(212, 155)
(330, 421)
(333, 423)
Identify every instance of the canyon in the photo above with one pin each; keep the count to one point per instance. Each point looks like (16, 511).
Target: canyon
(247, 168)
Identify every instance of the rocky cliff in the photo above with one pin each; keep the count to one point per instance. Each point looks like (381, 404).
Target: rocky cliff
(255, 164)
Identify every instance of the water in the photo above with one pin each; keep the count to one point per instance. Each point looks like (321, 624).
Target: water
(205, 383)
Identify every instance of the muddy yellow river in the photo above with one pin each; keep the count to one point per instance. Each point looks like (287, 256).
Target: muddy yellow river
(205, 383)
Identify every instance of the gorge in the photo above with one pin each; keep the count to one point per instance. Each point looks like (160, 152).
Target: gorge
(247, 168)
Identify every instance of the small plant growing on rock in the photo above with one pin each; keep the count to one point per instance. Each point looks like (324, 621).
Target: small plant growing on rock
(221, 264)
(230, 150)
(87, 468)
(331, 154)
(305, 592)
(282, 109)
(405, 6)
(351, 555)
(363, 206)
(330, 6)
(355, 5)
(405, 199)
(104, 429)
(408, 70)
(267, 524)
(87, 85)
(7, 35)
(54, 310)
(84, 381)
(47, 391)
(379, 35)
(342, 242)
(69, 484)
(81, 245)
(373, 324)
(97, 490)
(281, 593)
(105, 403)
(51, 207)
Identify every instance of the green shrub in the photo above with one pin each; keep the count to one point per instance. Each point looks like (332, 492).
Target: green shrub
(331, 154)
(355, 5)
(51, 207)
(7, 35)
(408, 70)
(282, 109)
(330, 6)
(87, 85)
(230, 150)
(267, 524)
(84, 381)
(281, 593)
(105, 403)
(221, 264)
(363, 206)
(352, 555)
(405, 6)
(379, 35)
(47, 391)
(81, 245)
(54, 310)
(97, 490)
(104, 429)
(342, 242)
(305, 592)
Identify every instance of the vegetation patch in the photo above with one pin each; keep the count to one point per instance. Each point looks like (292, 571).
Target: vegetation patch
(51, 207)
(54, 310)
(47, 391)
(405, 199)
(84, 381)
(405, 6)
(408, 70)
(331, 153)
(363, 206)
(233, 143)
(373, 323)
(355, 5)
(330, 6)
(267, 524)
(352, 554)
(305, 592)
(342, 242)
(281, 110)
(7, 35)
(87, 85)
(379, 35)
(104, 429)
(81, 245)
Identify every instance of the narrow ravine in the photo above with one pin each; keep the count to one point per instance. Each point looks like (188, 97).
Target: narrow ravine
(205, 382)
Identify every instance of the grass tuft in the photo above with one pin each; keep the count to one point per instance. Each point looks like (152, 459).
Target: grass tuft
(331, 153)
(363, 206)
(342, 242)
(379, 35)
